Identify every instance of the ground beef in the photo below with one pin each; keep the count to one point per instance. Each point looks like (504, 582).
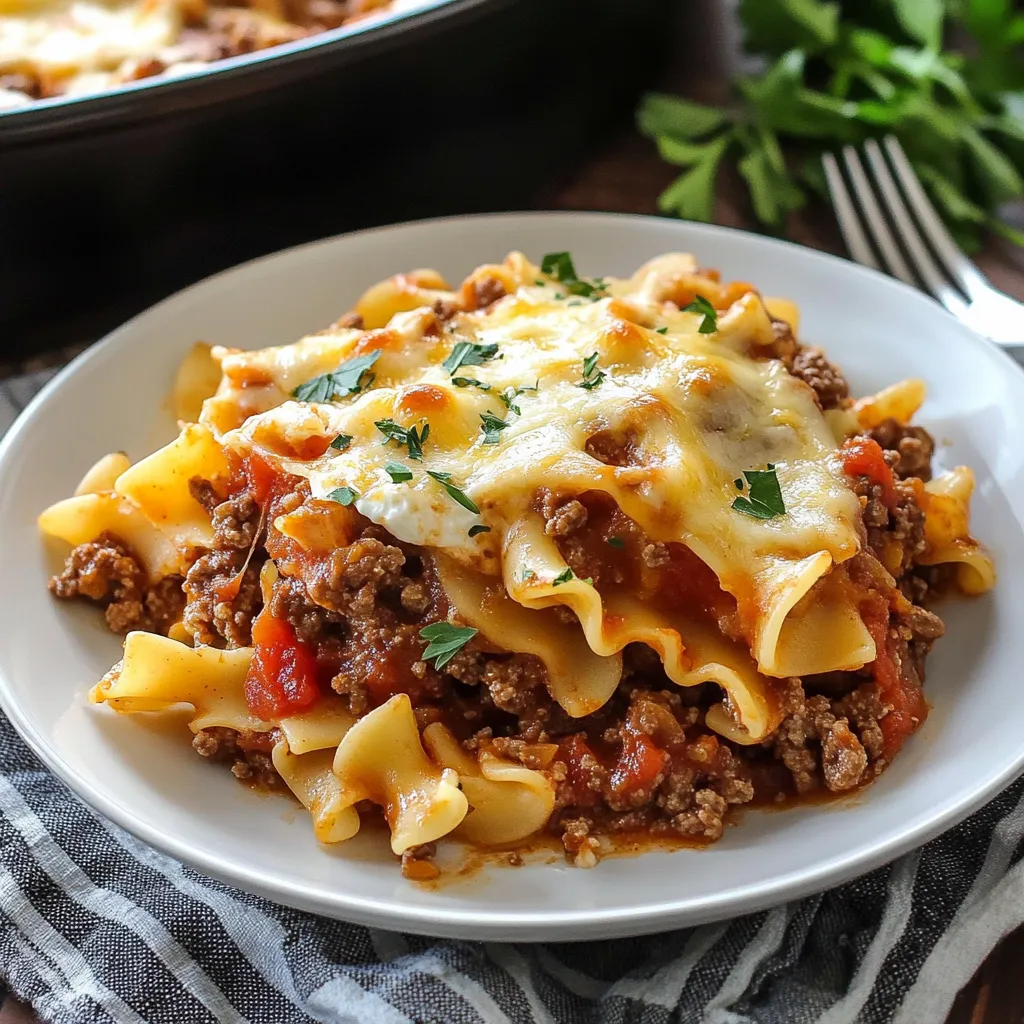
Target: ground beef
(562, 516)
(106, 571)
(912, 447)
(235, 522)
(355, 575)
(517, 682)
(894, 536)
(290, 601)
(817, 745)
(219, 609)
(612, 448)
(247, 753)
(827, 383)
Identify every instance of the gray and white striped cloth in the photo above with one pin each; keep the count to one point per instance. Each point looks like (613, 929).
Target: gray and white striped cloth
(96, 927)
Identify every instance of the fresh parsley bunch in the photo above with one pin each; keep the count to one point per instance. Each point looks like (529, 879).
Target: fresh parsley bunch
(842, 72)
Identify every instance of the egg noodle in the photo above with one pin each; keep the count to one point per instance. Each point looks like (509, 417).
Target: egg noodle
(541, 553)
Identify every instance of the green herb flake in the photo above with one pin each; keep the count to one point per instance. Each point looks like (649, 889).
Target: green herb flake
(661, 330)
(528, 574)
(764, 495)
(470, 382)
(510, 394)
(469, 353)
(348, 379)
(343, 495)
(563, 577)
(444, 641)
(411, 437)
(341, 442)
(455, 493)
(701, 305)
(399, 474)
(559, 265)
(592, 376)
(492, 427)
(475, 531)
(616, 542)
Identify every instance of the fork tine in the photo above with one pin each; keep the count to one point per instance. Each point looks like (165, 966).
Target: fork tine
(877, 223)
(849, 223)
(957, 265)
(930, 273)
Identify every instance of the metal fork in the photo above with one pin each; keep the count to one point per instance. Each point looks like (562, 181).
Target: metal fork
(925, 256)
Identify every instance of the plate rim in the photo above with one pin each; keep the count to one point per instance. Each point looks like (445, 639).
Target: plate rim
(553, 925)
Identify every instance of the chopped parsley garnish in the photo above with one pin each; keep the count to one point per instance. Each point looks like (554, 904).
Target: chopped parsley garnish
(764, 496)
(347, 379)
(616, 542)
(528, 574)
(563, 577)
(592, 376)
(475, 531)
(492, 427)
(701, 305)
(661, 330)
(411, 437)
(469, 353)
(455, 493)
(444, 641)
(399, 474)
(739, 483)
(559, 265)
(510, 394)
(342, 495)
(341, 442)
(470, 382)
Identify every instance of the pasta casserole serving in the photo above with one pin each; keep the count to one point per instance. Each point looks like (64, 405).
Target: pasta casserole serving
(539, 555)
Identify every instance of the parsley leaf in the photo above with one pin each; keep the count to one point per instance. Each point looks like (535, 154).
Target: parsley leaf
(528, 574)
(661, 330)
(492, 427)
(398, 473)
(475, 531)
(510, 394)
(764, 497)
(341, 442)
(701, 305)
(469, 353)
(409, 436)
(559, 265)
(456, 493)
(347, 379)
(470, 382)
(563, 577)
(444, 641)
(616, 542)
(342, 495)
(592, 376)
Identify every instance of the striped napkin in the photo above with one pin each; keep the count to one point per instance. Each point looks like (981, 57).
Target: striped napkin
(96, 927)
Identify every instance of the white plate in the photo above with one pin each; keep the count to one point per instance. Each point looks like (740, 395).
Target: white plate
(149, 781)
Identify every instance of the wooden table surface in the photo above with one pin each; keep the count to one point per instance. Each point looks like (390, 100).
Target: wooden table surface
(628, 177)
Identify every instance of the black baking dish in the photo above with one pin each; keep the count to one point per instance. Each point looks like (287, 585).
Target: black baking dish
(110, 202)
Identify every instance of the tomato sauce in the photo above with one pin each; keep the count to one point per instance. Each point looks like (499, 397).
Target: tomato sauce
(864, 457)
(909, 709)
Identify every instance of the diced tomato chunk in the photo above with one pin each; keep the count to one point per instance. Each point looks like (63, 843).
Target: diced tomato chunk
(639, 766)
(864, 457)
(282, 678)
(902, 695)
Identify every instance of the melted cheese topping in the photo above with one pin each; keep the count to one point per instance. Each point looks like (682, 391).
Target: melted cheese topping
(692, 412)
(83, 42)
